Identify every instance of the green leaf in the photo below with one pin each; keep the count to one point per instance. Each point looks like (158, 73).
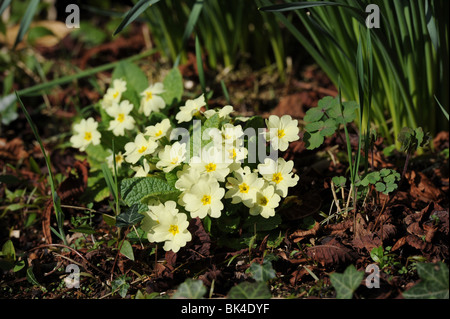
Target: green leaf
(131, 216)
(121, 285)
(262, 224)
(347, 282)
(4, 5)
(137, 190)
(250, 290)
(262, 272)
(26, 21)
(127, 250)
(190, 289)
(314, 114)
(255, 122)
(31, 278)
(380, 187)
(85, 229)
(313, 140)
(434, 283)
(328, 128)
(339, 181)
(314, 126)
(109, 180)
(8, 251)
(299, 5)
(134, 13)
(173, 87)
(136, 80)
(200, 71)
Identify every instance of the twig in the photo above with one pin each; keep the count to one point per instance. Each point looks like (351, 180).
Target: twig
(70, 248)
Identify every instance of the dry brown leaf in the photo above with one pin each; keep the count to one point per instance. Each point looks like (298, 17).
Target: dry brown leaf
(58, 28)
(332, 253)
(300, 234)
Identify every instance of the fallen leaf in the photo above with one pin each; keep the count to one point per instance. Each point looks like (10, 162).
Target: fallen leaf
(332, 253)
(301, 234)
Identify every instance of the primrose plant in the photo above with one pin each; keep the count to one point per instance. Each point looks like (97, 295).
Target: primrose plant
(174, 164)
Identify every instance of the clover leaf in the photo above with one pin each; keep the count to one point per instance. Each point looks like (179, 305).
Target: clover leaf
(323, 120)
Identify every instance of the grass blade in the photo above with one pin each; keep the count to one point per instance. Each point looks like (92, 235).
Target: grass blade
(26, 21)
(5, 4)
(109, 180)
(134, 12)
(298, 5)
(442, 108)
(201, 73)
(56, 200)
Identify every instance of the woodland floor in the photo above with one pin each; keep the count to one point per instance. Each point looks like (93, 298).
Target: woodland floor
(405, 221)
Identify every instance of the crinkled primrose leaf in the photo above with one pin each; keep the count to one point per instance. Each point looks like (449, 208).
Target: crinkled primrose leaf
(139, 189)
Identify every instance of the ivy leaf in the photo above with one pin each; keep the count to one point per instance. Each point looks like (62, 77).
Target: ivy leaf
(434, 282)
(347, 282)
(250, 290)
(121, 285)
(131, 216)
(190, 289)
(262, 272)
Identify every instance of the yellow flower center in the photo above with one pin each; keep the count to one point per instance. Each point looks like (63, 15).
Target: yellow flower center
(206, 200)
(119, 158)
(174, 160)
(281, 133)
(211, 167)
(263, 201)
(116, 94)
(277, 178)
(232, 153)
(159, 133)
(174, 229)
(88, 136)
(148, 96)
(243, 188)
(121, 117)
(142, 149)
